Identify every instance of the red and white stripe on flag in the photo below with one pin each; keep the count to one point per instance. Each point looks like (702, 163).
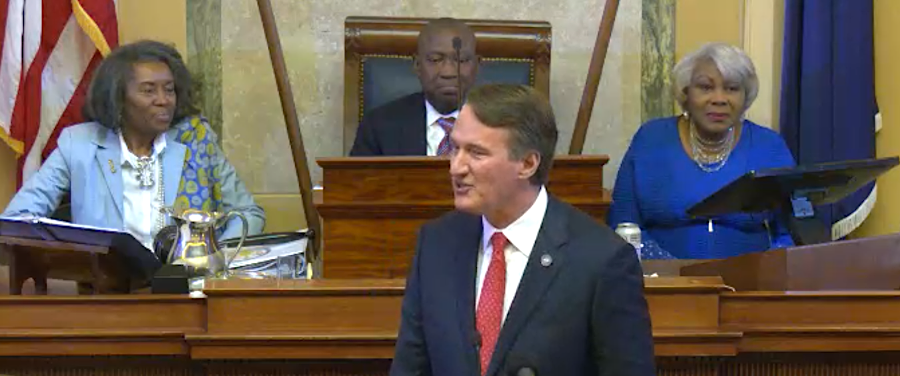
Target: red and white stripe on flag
(47, 55)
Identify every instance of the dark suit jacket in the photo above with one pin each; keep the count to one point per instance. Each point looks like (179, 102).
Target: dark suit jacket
(585, 314)
(396, 128)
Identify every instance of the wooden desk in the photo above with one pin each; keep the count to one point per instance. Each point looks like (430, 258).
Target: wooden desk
(267, 328)
(372, 207)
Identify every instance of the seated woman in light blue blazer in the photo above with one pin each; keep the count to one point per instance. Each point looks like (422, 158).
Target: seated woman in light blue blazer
(144, 148)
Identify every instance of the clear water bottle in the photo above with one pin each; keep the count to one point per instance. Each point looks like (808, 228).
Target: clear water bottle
(631, 232)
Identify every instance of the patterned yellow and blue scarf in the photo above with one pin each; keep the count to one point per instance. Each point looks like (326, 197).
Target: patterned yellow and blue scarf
(201, 180)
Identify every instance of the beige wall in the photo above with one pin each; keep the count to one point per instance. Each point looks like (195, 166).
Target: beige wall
(701, 21)
(8, 171)
(885, 217)
(763, 38)
(162, 20)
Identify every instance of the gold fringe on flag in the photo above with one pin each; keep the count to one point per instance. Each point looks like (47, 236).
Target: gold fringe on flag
(90, 27)
(16, 145)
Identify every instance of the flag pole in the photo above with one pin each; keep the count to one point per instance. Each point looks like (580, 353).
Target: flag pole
(298, 150)
(595, 70)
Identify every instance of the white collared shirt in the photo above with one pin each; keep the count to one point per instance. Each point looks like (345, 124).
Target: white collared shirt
(522, 234)
(138, 204)
(434, 133)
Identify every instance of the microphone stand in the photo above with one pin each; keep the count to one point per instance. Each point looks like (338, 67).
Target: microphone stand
(457, 46)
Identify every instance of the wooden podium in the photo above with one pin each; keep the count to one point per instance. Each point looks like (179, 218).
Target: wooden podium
(372, 207)
(859, 264)
(108, 262)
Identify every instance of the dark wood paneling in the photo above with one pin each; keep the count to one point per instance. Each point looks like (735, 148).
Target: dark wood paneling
(113, 313)
(370, 248)
(306, 315)
(293, 368)
(100, 366)
(814, 321)
(291, 347)
(397, 36)
(414, 180)
(813, 364)
(348, 327)
(858, 264)
(792, 364)
(372, 208)
(99, 325)
(300, 319)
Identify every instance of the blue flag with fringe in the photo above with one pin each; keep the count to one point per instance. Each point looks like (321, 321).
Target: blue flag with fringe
(828, 105)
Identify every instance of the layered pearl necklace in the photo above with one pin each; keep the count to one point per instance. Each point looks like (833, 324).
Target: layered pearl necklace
(710, 156)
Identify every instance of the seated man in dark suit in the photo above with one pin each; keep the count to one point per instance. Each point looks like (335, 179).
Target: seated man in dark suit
(515, 279)
(417, 124)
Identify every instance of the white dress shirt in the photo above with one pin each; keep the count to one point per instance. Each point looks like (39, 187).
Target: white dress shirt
(139, 207)
(434, 133)
(521, 234)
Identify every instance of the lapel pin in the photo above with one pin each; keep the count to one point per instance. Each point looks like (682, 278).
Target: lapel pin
(112, 167)
(546, 260)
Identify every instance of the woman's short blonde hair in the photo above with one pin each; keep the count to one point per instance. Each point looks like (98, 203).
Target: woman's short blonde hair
(731, 61)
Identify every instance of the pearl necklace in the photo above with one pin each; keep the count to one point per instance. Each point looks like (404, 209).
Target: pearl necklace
(146, 179)
(710, 156)
(160, 201)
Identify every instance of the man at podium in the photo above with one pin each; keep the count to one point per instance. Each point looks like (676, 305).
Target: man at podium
(418, 124)
(144, 148)
(515, 280)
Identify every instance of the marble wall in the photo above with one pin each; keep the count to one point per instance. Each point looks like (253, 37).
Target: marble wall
(312, 36)
(658, 58)
(204, 56)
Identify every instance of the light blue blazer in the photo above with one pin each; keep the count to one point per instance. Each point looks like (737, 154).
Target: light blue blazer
(87, 164)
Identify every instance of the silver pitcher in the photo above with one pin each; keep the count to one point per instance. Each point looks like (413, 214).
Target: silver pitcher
(195, 244)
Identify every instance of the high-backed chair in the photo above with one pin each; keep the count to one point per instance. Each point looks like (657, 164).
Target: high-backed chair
(378, 60)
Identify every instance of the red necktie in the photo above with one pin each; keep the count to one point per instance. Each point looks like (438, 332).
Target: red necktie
(489, 315)
(446, 124)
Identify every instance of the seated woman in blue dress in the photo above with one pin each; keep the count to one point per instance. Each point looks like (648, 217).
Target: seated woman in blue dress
(144, 148)
(674, 163)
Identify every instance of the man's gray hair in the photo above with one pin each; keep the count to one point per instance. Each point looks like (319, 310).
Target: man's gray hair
(732, 62)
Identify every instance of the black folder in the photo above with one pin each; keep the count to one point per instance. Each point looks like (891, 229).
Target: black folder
(137, 260)
(794, 191)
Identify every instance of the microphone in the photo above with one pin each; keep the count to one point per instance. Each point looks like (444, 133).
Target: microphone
(520, 365)
(476, 339)
(457, 46)
(525, 371)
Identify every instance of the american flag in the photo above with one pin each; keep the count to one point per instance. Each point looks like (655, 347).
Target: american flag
(47, 55)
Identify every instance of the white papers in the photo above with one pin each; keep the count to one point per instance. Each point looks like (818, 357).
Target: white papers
(263, 254)
(53, 222)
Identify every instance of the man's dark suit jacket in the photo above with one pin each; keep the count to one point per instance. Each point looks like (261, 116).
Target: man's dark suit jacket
(584, 314)
(396, 128)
